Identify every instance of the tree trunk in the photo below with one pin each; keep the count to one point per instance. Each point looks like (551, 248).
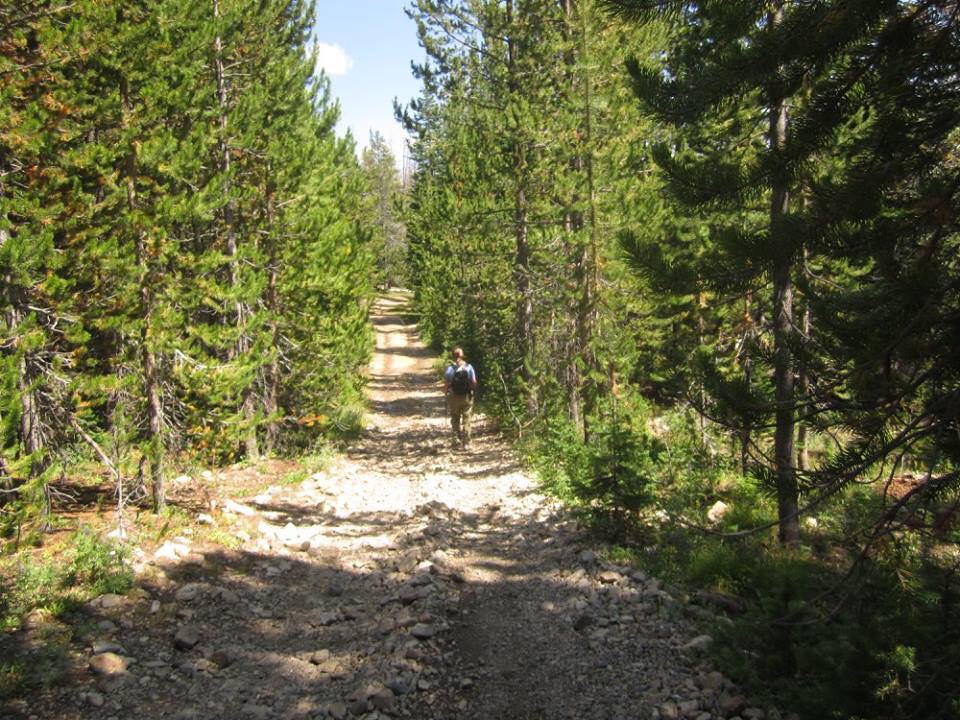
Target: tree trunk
(272, 389)
(746, 428)
(701, 390)
(151, 384)
(803, 379)
(240, 312)
(787, 495)
(521, 272)
(586, 312)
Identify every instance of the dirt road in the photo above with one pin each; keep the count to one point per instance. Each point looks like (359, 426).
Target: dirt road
(406, 580)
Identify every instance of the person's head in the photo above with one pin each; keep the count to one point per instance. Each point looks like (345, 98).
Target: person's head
(458, 353)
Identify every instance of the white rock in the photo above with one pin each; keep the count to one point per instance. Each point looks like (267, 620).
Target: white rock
(232, 506)
(205, 519)
(109, 663)
(171, 551)
(717, 511)
(182, 480)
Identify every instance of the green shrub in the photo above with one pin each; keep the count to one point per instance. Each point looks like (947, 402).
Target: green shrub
(99, 565)
(37, 586)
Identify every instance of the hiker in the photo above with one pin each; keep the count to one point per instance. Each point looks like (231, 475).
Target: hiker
(460, 380)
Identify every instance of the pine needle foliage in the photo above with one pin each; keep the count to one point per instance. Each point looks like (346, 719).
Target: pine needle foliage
(184, 257)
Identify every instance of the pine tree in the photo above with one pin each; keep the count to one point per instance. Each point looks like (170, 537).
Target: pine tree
(379, 167)
(838, 68)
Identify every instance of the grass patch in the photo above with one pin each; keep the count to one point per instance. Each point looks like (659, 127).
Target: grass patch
(218, 536)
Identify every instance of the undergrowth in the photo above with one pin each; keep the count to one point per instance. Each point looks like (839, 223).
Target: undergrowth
(827, 631)
(93, 566)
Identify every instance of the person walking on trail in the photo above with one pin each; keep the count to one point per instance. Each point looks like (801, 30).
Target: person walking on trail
(460, 380)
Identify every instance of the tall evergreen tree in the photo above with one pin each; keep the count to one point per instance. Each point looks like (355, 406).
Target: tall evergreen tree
(821, 80)
(380, 170)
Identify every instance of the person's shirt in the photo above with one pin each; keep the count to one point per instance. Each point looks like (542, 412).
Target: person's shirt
(452, 368)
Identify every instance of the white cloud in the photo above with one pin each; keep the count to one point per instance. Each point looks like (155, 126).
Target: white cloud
(333, 59)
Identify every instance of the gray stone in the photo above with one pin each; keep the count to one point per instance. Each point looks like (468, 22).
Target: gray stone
(422, 631)
(608, 577)
(188, 593)
(753, 713)
(732, 704)
(712, 681)
(337, 710)
(409, 595)
(383, 700)
(329, 617)
(420, 579)
(414, 653)
(105, 646)
(227, 596)
(186, 637)
(224, 657)
(583, 622)
(398, 687)
(109, 601)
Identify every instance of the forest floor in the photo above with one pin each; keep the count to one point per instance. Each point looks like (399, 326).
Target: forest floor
(407, 579)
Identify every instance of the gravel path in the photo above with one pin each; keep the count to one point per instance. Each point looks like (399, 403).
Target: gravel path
(407, 580)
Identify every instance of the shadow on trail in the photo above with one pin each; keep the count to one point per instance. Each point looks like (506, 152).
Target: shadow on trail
(296, 632)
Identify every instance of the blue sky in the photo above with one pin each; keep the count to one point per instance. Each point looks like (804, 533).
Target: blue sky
(365, 48)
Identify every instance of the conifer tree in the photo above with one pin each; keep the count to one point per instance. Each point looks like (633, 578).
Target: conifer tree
(157, 262)
(838, 67)
(379, 167)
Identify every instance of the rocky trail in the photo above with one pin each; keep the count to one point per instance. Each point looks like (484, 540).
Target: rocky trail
(406, 580)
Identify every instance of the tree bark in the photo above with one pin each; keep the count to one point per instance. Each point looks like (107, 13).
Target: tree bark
(783, 332)
(272, 389)
(746, 428)
(240, 311)
(521, 272)
(151, 384)
(803, 379)
(586, 311)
